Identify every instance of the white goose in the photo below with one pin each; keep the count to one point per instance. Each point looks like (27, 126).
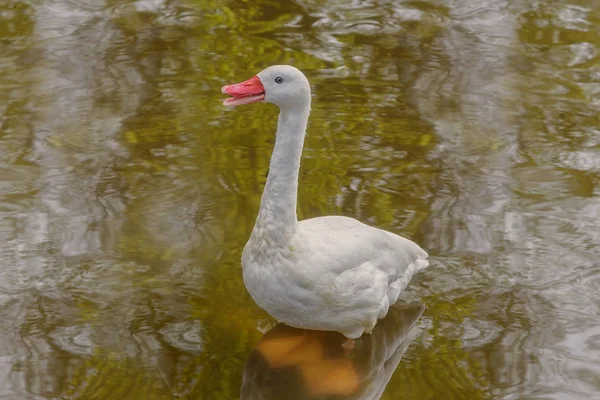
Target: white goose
(329, 273)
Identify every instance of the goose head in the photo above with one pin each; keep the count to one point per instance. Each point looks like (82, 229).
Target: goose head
(282, 85)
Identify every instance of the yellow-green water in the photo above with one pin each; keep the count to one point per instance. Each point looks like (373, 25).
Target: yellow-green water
(127, 191)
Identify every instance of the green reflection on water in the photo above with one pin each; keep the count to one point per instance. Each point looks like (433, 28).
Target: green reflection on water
(129, 191)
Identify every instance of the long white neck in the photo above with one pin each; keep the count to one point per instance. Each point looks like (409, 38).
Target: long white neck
(277, 217)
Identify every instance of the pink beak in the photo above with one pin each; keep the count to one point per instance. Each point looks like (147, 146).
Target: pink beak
(250, 91)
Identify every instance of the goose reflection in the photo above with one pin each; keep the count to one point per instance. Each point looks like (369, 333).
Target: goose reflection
(290, 363)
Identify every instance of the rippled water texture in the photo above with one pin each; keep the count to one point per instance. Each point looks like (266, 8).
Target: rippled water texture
(127, 192)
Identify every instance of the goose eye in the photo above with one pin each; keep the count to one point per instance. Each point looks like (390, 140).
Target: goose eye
(279, 79)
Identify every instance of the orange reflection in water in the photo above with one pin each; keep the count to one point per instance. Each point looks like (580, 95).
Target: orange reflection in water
(296, 363)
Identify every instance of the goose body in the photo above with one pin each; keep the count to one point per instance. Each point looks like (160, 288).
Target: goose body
(329, 273)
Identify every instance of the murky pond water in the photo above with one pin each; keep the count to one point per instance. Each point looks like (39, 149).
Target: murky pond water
(127, 192)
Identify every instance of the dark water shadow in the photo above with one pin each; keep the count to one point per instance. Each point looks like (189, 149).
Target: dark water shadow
(290, 363)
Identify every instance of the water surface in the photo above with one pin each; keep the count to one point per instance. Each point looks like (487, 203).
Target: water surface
(127, 191)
